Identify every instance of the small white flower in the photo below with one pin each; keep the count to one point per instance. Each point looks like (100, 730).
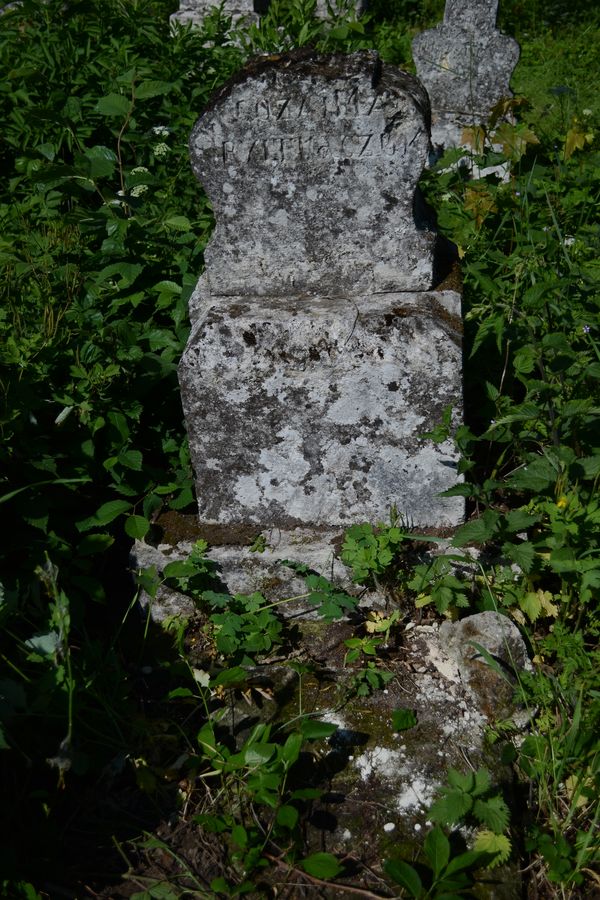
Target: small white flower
(161, 150)
(140, 170)
(138, 190)
(417, 827)
(160, 131)
(586, 112)
(389, 826)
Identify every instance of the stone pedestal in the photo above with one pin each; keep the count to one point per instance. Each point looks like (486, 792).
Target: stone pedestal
(311, 410)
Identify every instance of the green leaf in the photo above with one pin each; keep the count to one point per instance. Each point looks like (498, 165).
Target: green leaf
(107, 513)
(179, 223)
(307, 794)
(589, 466)
(94, 543)
(315, 730)
(239, 835)
(101, 161)
(121, 275)
(538, 475)
(478, 531)
(482, 781)
(291, 749)
(257, 754)
(522, 554)
(437, 850)
(564, 560)
(287, 816)
(519, 520)
(493, 813)
(451, 807)
(230, 677)
(469, 860)
(179, 568)
(30, 487)
(137, 527)
(496, 844)
(402, 719)
(182, 692)
(113, 105)
(321, 865)
(131, 459)
(405, 876)
(531, 604)
(148, 89)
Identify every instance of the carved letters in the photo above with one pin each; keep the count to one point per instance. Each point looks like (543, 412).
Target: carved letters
(297, 148)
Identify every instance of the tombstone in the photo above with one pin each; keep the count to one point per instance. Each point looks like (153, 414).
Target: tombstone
(249, 11)
(465, 64)
(194, 11)
(319, 353)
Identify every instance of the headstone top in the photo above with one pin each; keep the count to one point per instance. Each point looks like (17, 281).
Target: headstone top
(311, 164)
(471, 14)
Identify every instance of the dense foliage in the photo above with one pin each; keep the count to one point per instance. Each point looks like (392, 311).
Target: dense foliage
(103, 230)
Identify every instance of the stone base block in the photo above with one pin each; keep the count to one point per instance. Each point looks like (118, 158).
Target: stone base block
(310, 411)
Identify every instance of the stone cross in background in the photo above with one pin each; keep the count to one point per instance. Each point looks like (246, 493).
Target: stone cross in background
(465, 65)
(194, 11)
(319, 355)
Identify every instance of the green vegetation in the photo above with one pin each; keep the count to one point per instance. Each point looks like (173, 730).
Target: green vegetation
(103, 230)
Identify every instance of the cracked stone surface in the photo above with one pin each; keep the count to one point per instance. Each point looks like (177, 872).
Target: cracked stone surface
(311, 411)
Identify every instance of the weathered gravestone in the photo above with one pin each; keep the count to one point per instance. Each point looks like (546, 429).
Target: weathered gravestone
(465, 64)
(319, 355)
(194, 11)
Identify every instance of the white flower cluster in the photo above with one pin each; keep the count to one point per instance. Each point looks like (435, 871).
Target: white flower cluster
(161, 150)
(160, 131)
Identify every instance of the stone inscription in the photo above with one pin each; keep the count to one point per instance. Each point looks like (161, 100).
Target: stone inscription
(348, 104)
(296, 149)
(315, 163)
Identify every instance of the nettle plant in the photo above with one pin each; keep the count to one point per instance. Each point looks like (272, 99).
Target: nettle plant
(445, 868)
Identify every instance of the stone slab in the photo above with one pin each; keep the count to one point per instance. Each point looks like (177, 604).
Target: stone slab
(309, 411)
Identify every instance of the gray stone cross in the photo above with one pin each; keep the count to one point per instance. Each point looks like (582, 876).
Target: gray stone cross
(465, 64)
(194, 11)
